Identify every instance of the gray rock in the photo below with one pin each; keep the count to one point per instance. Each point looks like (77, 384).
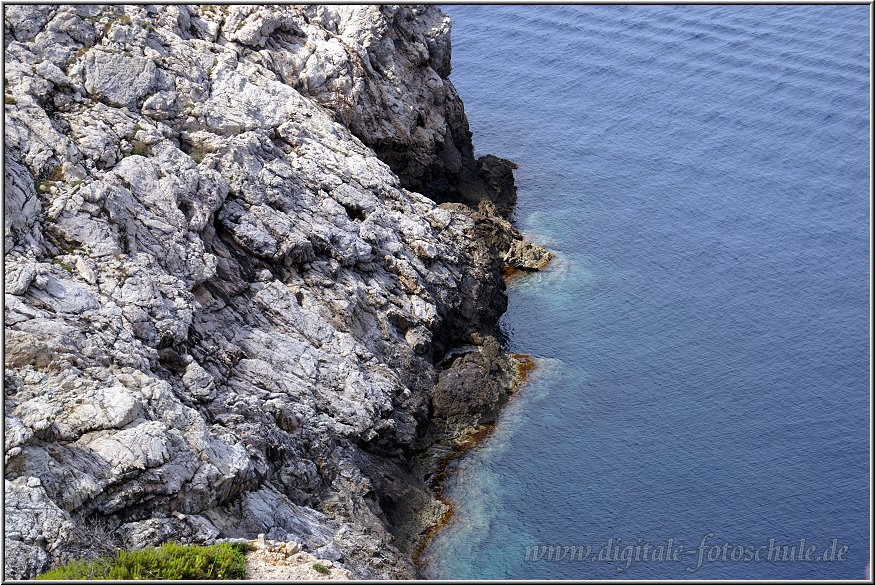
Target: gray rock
(19, 277)
(228, 277)
(35, 527)
(53, 73)
(199, 382)
(22, 208)
(121, 80)
(22, 560)
(191, 529)
(419, 338)
(330, 551)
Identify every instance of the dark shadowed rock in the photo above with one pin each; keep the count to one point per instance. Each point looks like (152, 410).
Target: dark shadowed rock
(497, 176)
(470, 392)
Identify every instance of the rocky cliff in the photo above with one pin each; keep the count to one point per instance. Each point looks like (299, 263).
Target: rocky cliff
(252, 277)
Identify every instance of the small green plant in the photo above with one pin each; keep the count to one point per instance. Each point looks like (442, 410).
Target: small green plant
(320, 568)
(169, 561)
(9, 100)
(64, 265)
(76, 56)
(197, 156)
(53, 176)
(124, 19)
(56, 174)
(140, 148)
(147, 25)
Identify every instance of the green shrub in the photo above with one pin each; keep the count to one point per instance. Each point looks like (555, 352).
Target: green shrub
(124, 20)
(168, 561)
(53, 176)
(64, 265)
(320, 568)
(56, 174)
(140, 148)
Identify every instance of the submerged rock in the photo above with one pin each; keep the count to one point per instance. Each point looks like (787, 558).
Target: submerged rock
(238, 240)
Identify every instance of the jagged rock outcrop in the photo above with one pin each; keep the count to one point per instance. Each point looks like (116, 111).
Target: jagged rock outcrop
(285, 561)
(229, 310)
(416, 123)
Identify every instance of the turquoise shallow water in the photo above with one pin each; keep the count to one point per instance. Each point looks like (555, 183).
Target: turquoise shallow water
(703, 174)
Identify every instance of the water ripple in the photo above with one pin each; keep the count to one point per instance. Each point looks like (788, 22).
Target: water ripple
(702, 172)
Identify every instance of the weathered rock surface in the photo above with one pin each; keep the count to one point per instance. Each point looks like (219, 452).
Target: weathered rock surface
(285, 561)
(227, 304)
(527, 255)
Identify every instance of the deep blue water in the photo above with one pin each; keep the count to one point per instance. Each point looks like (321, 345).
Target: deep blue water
(703, 174)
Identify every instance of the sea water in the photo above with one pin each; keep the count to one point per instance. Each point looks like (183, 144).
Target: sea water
(702, 173)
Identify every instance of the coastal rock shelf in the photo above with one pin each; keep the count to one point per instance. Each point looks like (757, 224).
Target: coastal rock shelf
(252, 274)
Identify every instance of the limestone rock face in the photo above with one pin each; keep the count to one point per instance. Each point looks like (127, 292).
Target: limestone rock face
(417, 122)
(118, 79)
(227, 301)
